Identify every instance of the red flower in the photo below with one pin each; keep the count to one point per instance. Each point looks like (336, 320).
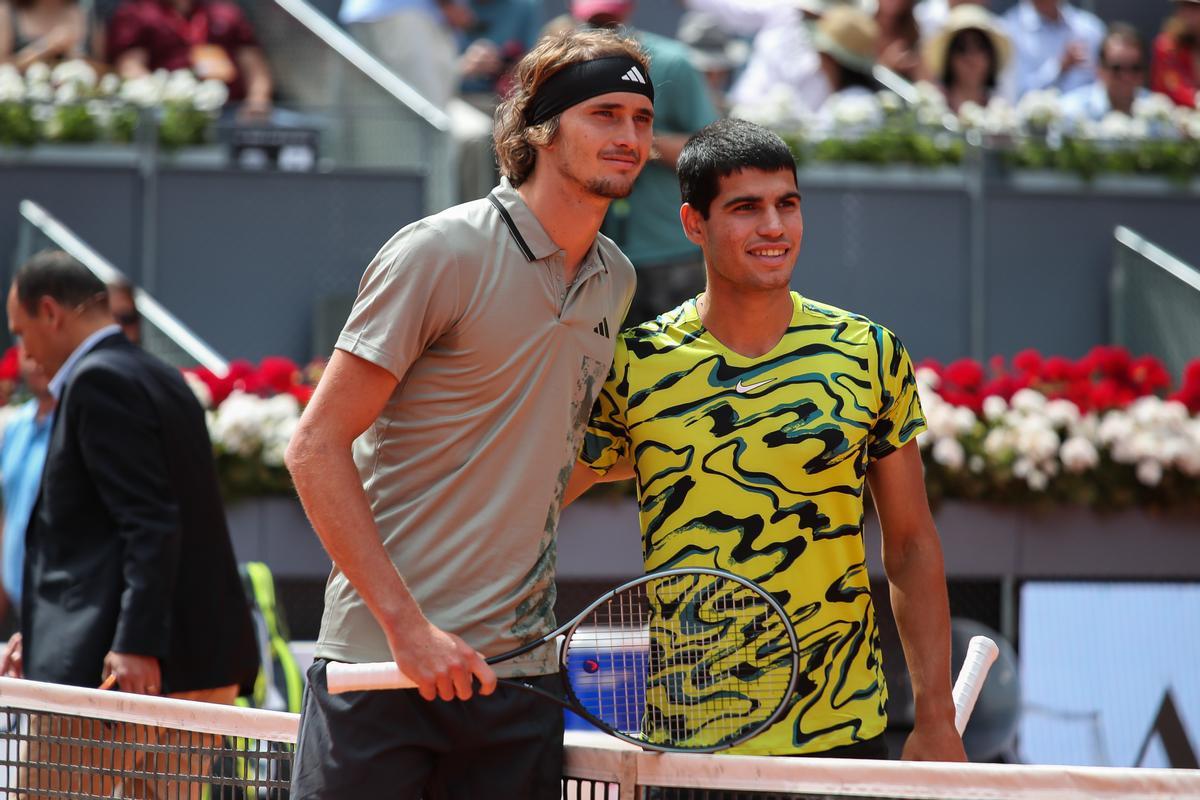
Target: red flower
(219, 388)
(1109, 361)
(10, 365)
(1029, 362)
(278, 373)
(1057, 369)
(965, 374)
(301, 392)
(1149, 375)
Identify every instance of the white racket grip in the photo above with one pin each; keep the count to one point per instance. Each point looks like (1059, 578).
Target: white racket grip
(981, 654)
(341, 677)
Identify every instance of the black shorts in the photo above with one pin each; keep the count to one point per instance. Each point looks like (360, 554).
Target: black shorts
(395, 745)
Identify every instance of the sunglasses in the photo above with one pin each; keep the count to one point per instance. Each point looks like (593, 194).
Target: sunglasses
(1126, 69)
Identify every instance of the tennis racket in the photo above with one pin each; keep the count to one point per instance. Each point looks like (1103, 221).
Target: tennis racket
(685, 660)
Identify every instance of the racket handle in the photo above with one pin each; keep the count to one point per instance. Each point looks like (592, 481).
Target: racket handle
(981, 654)
(341, 677)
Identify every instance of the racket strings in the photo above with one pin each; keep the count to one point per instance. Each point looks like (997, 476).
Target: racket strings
(691, 661)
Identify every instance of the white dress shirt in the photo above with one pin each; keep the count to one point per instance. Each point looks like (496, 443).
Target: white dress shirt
(782, 57)
(59, 381)
(1039, 45)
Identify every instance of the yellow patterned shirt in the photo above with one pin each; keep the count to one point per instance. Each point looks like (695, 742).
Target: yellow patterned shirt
(757, 466)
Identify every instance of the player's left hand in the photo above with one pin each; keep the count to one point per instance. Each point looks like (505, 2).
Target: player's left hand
(934, 742)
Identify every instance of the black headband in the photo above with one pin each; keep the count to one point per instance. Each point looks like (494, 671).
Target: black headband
(584, 80)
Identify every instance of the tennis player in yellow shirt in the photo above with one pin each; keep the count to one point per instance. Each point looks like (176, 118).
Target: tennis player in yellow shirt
(752, 419)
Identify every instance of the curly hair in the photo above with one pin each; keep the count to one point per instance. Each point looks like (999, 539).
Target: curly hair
(515, 140)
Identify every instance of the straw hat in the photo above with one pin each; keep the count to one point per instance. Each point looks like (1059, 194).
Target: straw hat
(848, 36)
(968, 17)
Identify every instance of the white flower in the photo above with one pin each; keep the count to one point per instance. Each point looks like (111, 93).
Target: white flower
(40, 92)
(1037, 480)
(889, 101)
(1022, 467)
(145, 91)
(976, 464)
(972, 115)
(994, 408)
(1028, 401)
(1062, 413)
(1001, 119)
(1114, 427)
(1192, 126)
(773, 110)
(1036, 441)
(998, 442)
(1149, 472)
(67, 94)
(927, 377)
(37, 72)
(12, 85)
(1078, 455)
(180, 87)
(964, 420)
(949, 453)
(1154, 107)
(1040, 108)
(109, 85)
(854, 111)
(210, 96)
(78, 72)
(200, 389)
(1116, 127)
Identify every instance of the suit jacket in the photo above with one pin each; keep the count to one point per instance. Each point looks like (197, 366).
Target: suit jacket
(128, 548)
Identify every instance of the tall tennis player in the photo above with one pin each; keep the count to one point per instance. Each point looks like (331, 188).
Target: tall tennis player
(753, 418)
(433, 458)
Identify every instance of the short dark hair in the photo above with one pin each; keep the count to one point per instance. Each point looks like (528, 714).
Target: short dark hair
(726, 146)
(56, 274)
(1121, 32)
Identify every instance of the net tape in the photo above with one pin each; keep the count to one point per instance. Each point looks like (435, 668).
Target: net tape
(246, 753)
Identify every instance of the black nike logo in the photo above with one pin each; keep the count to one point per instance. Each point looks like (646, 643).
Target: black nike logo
(602, 328)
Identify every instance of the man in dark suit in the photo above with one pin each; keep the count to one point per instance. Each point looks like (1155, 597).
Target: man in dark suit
(129, 569)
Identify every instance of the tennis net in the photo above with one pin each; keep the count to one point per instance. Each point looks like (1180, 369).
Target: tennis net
(69, 742)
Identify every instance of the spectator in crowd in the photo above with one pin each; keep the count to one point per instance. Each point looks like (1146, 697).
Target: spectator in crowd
(783, 67)
(847, 40)
(1122, 76)
(714, 53)
(129, 516)
(415, 38)
(967, 56)
(932, 15)
(22, 456)
(501, 32)
(45, 30)
(123, 307)
(1056, 45)
(213, 38)
(899, 36)
(1176, 68)
(646, 224)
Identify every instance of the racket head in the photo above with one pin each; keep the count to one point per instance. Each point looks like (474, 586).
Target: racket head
(683, 660)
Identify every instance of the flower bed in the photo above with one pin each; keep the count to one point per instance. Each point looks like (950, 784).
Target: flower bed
(1105, 431)
(1158, 138)
(73, 104)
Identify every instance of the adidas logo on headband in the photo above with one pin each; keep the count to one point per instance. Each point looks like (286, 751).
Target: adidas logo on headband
(633, 75)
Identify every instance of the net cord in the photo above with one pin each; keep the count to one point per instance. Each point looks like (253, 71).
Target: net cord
(165, 712)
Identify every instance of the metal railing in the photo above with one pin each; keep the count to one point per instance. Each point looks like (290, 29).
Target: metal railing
(1154, 301)
(369, 118)
(163, 334)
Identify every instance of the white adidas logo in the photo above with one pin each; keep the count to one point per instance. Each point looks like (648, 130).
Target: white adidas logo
(634, 76)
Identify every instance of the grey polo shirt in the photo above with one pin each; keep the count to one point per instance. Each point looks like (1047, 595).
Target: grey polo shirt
(498, 363)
